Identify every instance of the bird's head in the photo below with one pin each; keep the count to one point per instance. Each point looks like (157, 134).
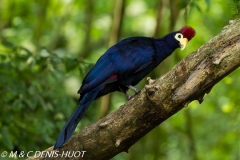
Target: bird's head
(184, 35)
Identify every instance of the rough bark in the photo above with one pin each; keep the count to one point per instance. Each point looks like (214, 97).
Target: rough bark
(189, 80)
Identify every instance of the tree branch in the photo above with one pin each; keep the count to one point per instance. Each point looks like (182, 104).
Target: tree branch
(189, 80)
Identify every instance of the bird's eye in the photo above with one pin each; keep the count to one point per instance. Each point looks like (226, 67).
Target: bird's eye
(178, 36)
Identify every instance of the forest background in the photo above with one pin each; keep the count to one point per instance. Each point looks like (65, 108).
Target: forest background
(47, 47)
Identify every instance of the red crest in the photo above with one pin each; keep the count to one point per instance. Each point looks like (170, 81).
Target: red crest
(188, 32)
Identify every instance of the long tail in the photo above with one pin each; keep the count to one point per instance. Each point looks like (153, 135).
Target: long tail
(77, 115)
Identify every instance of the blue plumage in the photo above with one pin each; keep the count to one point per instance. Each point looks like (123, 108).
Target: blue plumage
(122, 66)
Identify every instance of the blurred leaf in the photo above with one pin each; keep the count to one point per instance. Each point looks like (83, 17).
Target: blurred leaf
(237, 8)
(70, 64)
(194, 4)
(183, 4)
(2, 57)
(208, 3)
(8, 44)
(26, 50)
(6, 138)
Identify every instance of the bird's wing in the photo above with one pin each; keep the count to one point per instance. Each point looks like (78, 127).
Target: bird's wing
(101, 72)
(143, 66)
(121, 60)
(134, 55)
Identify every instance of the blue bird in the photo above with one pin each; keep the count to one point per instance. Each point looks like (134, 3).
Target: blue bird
(121, 67)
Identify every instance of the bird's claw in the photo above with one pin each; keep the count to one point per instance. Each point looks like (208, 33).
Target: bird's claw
(128, 97)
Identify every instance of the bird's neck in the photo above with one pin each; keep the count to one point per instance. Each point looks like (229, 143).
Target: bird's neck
(166, 45)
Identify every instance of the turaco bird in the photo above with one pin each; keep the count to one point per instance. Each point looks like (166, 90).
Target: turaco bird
(121, 67)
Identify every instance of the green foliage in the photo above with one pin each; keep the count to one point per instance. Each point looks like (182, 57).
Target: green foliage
(30, 97)
(47, 47)
(236, 7)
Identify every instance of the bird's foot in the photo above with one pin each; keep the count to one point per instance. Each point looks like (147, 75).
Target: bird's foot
(128, 97)
(134, 89)
(131, 97)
